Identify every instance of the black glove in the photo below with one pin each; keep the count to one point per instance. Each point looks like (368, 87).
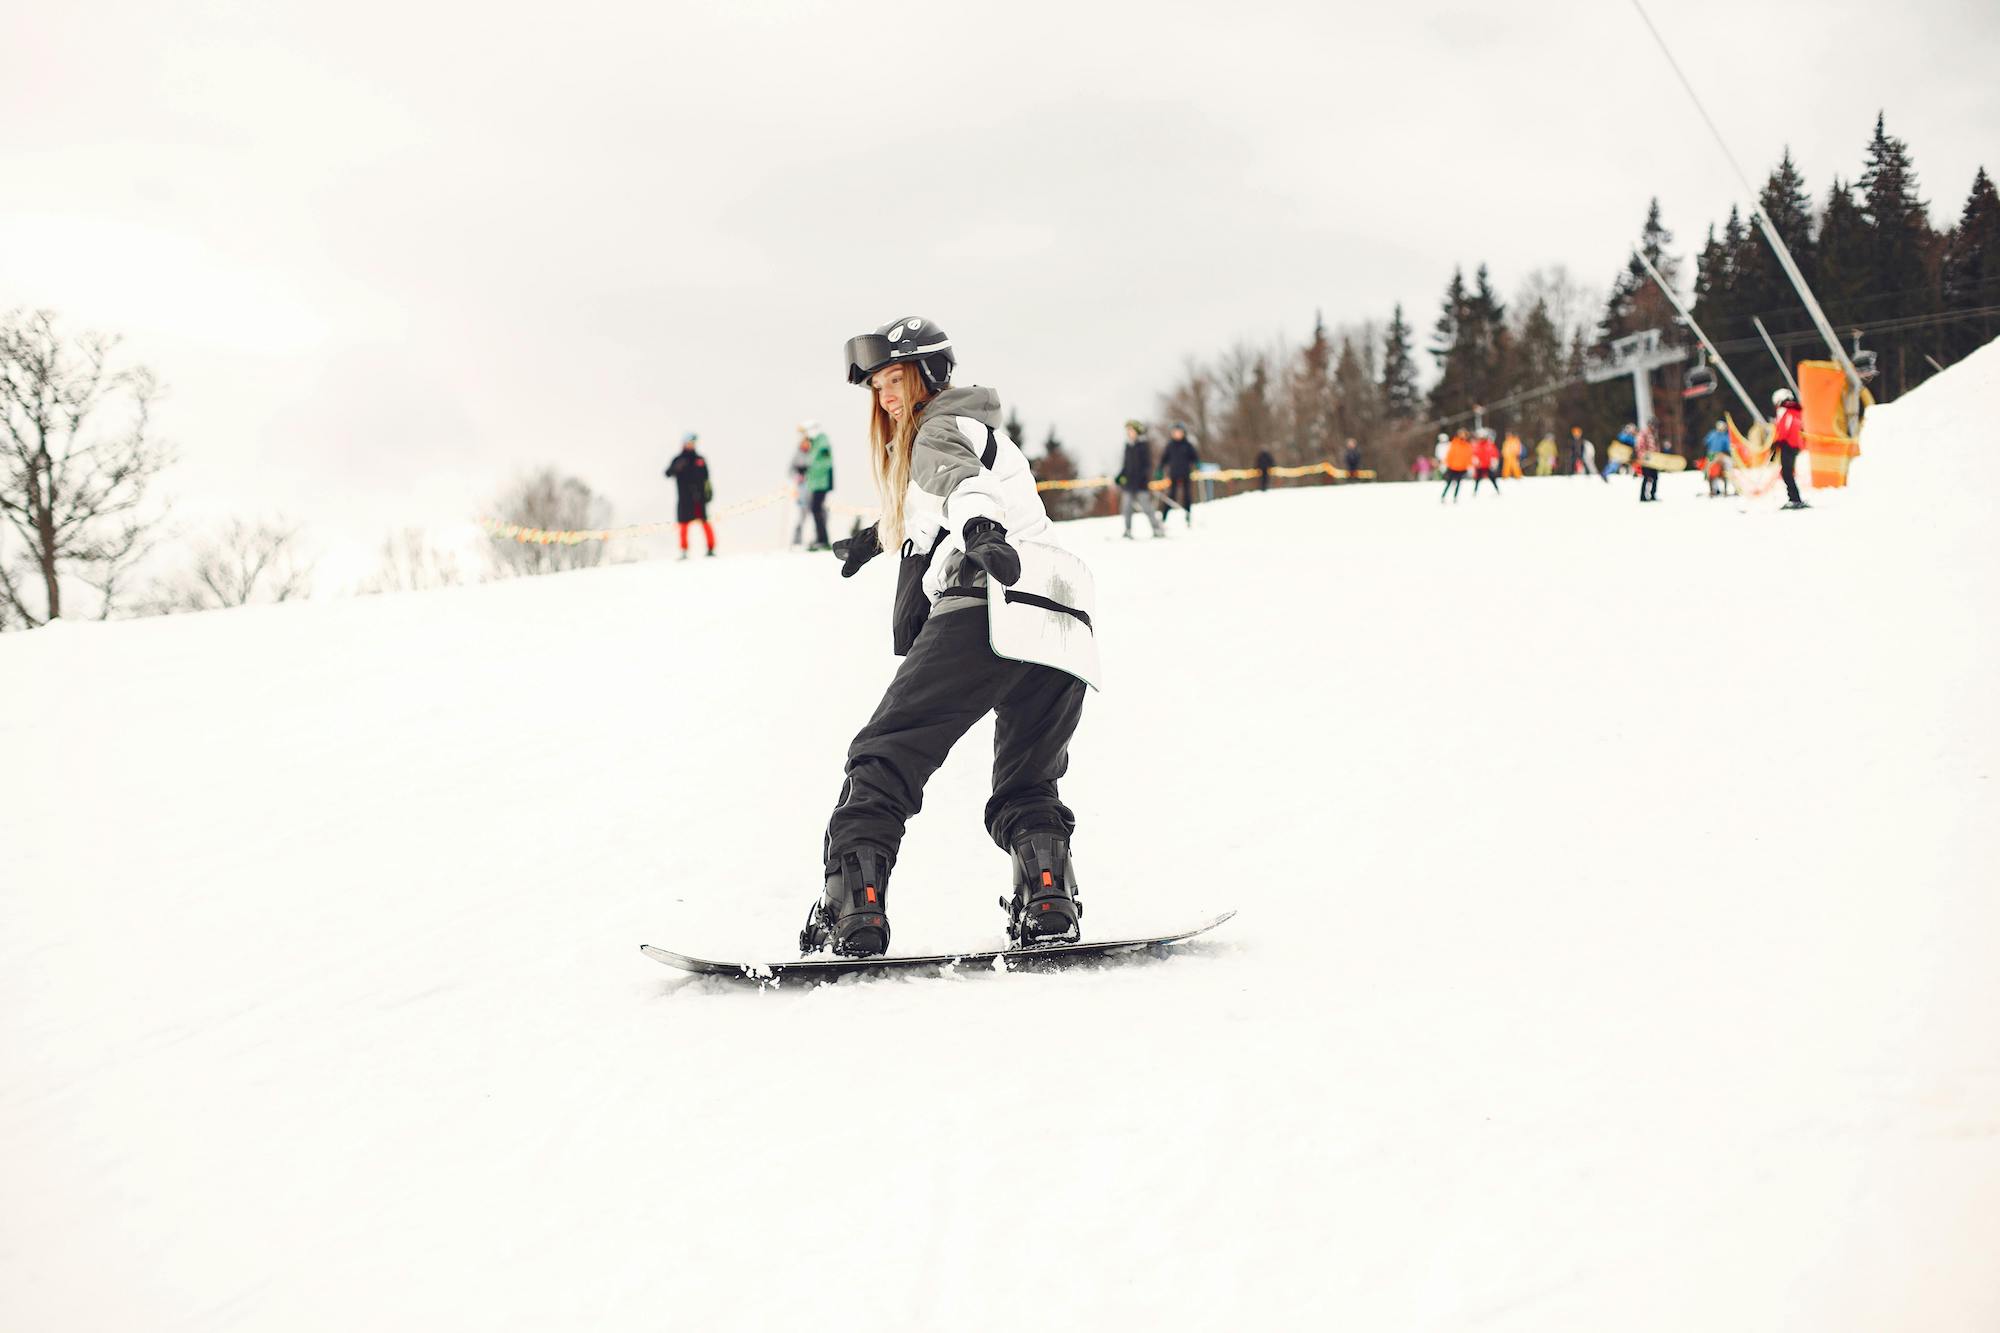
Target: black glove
(856, 551)
(986, 546)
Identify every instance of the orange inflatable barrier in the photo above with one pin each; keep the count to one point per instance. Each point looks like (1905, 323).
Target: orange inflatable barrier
(1822, 387)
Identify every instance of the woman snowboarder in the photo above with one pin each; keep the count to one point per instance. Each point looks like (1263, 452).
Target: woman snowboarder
(959, 503)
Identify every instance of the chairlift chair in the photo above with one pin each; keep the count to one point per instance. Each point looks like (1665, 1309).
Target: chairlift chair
(1699, 382)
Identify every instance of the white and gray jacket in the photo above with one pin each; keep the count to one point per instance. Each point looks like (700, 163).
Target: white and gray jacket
(962, 467)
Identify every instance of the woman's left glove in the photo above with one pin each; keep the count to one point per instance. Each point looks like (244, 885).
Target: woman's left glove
(986, 546)
(858, 550)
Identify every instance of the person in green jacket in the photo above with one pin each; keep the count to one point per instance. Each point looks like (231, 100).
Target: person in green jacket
(819, 480)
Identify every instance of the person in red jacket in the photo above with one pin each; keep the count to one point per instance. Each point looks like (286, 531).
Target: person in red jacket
(1789, 434)
(1485, 462)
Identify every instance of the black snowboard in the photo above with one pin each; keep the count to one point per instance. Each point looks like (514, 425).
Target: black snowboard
(826, 968)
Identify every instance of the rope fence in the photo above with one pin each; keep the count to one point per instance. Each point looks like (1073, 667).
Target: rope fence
(528, 536)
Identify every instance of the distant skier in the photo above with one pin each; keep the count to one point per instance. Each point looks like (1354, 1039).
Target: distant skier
(1788, 431)
(1618, 455)
(1510, 458)
(1422, 466)
(1135, 475)
(689, 471)
(1178, 460)
(1545, 456)
(1485, 461)
(819, 480)
(1715, 465)
(1264, 464)
(801, 464)
(1457, 454)
(1350, 459)
(1644, 445)
(959, 501)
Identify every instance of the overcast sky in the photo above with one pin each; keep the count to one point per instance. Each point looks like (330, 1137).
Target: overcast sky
(387, 254)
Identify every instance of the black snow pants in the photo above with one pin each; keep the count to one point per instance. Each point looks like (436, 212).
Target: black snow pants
(1180, 490)
(818, 503)
(1788, 468)
(1452, 480)
(949, 681)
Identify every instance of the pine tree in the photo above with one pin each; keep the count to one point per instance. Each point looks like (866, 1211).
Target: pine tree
(1637, 303)
(1400, 399)
(1718, 282)
(1013, 427)
(1788, 204)
(1314, 408)
(1970, 277)
(1359, 398)
(1447, 394)
(1844, 276)
(1762, 289)
(1055, 464)
(1472, 346)
(1493, 341)
(1539, 361)
(1900, 249)
(1629, 308)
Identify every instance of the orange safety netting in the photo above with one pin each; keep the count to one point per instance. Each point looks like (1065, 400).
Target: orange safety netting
(1753, 472)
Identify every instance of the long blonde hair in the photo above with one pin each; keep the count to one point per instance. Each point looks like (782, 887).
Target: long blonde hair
(889, 443)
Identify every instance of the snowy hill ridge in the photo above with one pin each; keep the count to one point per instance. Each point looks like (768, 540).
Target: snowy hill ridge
(1615, 949)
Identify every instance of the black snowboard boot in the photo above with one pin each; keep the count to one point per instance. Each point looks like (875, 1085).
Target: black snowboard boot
(1045, 908)
(851, 917)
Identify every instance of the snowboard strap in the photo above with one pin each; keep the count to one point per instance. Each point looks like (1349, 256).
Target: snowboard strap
(1048, 604)
(1012, 595)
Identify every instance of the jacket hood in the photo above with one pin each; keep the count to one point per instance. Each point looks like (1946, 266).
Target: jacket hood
(981, 404)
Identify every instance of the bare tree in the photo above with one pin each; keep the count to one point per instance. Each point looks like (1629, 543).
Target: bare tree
(75, 466)
(241, 563)
(413, 561)
(1055, 464)
(546, 500)
(1572, 306)
(1192, 399)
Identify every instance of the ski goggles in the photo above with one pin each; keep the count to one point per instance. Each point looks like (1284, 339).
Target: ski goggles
(866, 355)
(871, 351)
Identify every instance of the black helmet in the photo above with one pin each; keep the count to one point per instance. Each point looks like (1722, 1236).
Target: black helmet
(913, 339)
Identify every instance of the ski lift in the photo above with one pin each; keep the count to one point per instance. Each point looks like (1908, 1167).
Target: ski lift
(1699, 382)
(1864, 361)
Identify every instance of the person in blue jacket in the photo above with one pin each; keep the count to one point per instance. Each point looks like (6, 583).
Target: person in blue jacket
(1629, 437)
(1716, 462)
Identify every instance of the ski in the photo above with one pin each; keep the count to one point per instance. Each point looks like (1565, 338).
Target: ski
(827, 968)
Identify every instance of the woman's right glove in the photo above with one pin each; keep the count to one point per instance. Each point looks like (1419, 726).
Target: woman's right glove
(986, 546)
(856, 551)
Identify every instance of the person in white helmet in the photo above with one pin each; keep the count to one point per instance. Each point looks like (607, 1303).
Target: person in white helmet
(1788, 432)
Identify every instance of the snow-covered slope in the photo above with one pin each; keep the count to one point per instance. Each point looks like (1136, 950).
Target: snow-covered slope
(1617, 945)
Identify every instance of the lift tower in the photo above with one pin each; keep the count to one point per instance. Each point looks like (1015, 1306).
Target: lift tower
(1638, 355)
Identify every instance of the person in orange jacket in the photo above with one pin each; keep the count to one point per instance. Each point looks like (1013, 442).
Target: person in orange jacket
(1789, 433)
(1457, 462)
(1510, 456)
(1485, 462)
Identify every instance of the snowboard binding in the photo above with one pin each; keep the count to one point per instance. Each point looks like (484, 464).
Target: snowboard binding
(1045, 908)
(851, 918)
